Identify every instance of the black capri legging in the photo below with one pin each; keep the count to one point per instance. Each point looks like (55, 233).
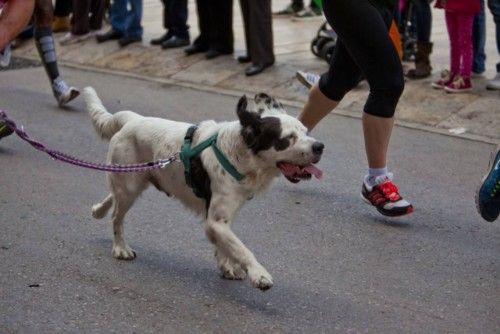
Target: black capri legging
(364, 49)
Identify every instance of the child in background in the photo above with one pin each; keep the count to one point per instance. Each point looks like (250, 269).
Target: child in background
(459, 16)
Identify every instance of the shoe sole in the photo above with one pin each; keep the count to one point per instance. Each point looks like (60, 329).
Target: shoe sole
(307, 18)
(388, 213)
(74, 94)
(457, 91)
(75, 40)
(302, 79)
(478, 189)
(436, 86)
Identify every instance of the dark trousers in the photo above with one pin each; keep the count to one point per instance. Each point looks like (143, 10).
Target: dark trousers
(258, 30)
(62, 8)
(81, 22)
(175, 15)
(215, 19)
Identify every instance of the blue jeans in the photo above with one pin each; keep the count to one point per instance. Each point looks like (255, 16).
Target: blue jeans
(494, 6)
(128, 22)
(478, 41)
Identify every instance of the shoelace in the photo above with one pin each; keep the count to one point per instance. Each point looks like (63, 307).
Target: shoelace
(390, 190)
(458, 82)
(312, 78)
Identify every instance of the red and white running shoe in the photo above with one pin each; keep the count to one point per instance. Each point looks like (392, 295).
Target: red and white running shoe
(384, 195)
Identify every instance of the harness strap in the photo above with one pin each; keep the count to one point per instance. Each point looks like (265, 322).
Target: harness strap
(187, 153)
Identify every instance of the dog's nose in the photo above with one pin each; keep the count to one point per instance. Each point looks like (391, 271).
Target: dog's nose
(318, 147)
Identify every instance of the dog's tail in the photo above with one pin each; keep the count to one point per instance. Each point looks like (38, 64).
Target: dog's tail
(105, 124)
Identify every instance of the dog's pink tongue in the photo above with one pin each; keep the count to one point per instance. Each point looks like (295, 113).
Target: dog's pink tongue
(293, 171)
(311, 169)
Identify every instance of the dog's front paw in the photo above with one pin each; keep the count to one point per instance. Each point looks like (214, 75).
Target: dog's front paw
(260, 278)
(123, 252)
(233, 273)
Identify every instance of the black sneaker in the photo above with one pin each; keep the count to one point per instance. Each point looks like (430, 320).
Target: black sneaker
(385, 197)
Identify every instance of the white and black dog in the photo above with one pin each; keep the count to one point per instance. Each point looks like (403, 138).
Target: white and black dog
(258, 146)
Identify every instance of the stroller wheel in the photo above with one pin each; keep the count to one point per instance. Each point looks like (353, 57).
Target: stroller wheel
(317, 45)
(327, 50)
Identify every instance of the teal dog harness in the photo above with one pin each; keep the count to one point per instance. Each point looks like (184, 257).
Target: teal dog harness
(188, 153)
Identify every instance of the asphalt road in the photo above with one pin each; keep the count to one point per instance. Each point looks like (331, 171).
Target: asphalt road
(338, 266)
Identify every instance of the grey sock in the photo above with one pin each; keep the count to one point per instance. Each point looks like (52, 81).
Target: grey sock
(44, 41)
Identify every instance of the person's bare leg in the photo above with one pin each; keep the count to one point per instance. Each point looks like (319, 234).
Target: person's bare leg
(377, 133)
(316, 108)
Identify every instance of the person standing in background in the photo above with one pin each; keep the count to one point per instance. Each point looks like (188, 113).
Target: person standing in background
(459, 19)
(86, 21)
(423, 14)
(175, 16)
(215, 19)
(62, 10)
(494, 6)
(479, 41)
(125, 23)
(258, 23)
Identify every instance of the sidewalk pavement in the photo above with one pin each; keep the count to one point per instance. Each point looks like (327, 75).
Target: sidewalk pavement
(475, 115)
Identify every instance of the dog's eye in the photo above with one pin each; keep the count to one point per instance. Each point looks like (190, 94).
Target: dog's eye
(292, 137)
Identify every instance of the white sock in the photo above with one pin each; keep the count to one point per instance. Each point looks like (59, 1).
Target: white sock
(373, 173)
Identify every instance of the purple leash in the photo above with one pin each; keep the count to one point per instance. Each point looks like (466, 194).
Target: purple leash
(115, 168)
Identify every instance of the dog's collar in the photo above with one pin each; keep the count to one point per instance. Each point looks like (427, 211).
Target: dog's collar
(187, 153)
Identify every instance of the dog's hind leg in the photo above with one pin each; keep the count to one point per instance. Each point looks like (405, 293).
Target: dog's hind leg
(123, 202)
(100, 210)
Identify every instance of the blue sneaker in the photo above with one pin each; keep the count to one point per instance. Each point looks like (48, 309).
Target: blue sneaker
(488, 192)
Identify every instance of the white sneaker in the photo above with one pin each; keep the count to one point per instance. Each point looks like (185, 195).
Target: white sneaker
(62, 92)
(308, 79)
(5, 56)
(70, 38)
(494, 84)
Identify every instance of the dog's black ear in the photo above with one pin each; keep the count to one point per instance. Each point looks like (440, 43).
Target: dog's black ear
(262, 98)
(247, 118)
(266, 102)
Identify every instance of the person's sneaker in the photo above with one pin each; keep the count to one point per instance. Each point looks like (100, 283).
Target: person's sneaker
(288, 10)
(308, 79)
(4, 130)
(494, 84)
(307, 14)
(488, 191)
(5, 56)
(446, 78)
(71, 38)
(459, 85)
(62, 92)
(384, 196)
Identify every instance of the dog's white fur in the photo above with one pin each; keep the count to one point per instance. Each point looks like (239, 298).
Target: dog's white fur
(134, 138)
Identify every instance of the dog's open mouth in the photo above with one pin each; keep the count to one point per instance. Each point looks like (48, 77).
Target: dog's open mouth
(295, 173)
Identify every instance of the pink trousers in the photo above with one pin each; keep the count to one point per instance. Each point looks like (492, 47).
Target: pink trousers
(460, 32)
